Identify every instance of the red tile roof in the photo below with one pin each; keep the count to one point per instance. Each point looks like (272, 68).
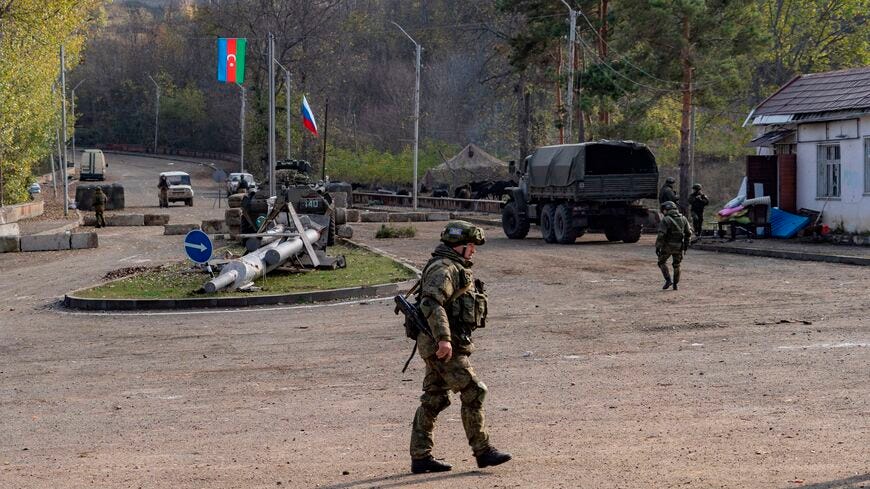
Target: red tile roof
(820, 92)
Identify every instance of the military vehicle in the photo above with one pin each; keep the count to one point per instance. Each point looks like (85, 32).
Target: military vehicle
(570, 189)
(293, 183)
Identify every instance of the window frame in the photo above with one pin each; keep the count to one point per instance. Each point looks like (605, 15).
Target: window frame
(866, 165)
(829, 171)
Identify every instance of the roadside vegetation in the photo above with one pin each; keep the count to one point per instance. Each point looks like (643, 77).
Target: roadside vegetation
(386, 232)
(180, 280)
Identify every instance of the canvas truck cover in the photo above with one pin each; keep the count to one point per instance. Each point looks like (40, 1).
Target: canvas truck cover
(566, 164)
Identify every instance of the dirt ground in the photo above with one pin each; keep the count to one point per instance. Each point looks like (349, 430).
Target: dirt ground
(754, 374)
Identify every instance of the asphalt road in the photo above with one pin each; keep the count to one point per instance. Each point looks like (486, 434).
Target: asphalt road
(754, 374)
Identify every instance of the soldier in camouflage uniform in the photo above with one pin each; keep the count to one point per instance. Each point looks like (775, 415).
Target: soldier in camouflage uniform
(99, 207)
(697, 202)
(454, 304)
(672, 240)
(667, 192)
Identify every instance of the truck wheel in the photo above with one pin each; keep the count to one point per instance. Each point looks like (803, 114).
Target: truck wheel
(631, 233)
(514, 225)
(613, 233)
(563, 224)
(548, 231)
(330, 234)
(188, 202)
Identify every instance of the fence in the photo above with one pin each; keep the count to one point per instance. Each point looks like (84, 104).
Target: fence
(444, 203)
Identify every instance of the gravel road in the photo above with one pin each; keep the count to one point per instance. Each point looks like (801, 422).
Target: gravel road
(754, 374)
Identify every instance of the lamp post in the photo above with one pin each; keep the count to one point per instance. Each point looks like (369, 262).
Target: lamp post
(287, 103)
(416, 109)
(271, 139)
(569, 100)
(63, 129)
(73, 97)
(156, 111)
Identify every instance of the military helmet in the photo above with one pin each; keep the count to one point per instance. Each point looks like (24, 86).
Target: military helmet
(696, 186)
(458, 233)
(668, 206)
(670, 180)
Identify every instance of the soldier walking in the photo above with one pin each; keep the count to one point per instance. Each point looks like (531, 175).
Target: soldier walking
(672, 241)
(697, 202)
(454, 304)
(163, 187)
(99, 206)
(667, 192)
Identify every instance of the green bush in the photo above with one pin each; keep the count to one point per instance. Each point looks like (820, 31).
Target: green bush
(385, 232)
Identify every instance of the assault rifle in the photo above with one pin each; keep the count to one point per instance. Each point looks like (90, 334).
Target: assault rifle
(414, 318)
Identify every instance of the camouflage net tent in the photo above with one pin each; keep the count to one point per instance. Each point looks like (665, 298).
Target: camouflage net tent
(472, 164)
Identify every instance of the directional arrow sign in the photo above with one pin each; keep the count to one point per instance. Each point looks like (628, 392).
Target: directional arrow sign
(198, 246)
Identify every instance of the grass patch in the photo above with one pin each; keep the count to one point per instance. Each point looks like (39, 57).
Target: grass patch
(180, 280)
(385, 232)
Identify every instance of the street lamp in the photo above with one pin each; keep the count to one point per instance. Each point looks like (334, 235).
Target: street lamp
(74, 119)
(287, 103)
(416, 110)
(156, 111)
(571, 40)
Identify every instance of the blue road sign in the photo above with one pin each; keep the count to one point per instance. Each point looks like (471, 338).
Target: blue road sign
(198, 246)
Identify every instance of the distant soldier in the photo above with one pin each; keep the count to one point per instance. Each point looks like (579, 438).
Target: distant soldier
(697, 202)
(673, 240)
(163, 187)
(243, 186)
(99, 206)
(454, 304)
(667, 193)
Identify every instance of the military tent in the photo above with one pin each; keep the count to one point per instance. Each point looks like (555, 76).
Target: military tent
(472, 164)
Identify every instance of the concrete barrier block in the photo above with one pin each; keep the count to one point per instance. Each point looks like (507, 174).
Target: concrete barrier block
(344, 231)
(233, 217)
(45, 242)
(438, 216)
(89, 220)
(374, 217)
(10, 244)
(10, 230)
(156, 219)
(352, 215)
(125, 220)
(80, 241)
(177, 229)
(407, 216)
(215, 226)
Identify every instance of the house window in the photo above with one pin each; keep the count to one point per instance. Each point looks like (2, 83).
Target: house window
(867, 165)
(828, 180)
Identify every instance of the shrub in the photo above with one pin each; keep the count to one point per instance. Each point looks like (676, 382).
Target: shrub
(385, 232)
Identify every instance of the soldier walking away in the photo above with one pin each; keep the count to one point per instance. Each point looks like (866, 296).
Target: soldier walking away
(667, 192)
(454, 305)
(697, 202)
(163, 186)
(672, 241)
(99, 206)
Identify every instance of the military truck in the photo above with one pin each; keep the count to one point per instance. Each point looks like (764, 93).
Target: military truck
(570, 189)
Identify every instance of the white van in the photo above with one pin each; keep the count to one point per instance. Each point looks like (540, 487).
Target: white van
(180, 189)
(93, 165)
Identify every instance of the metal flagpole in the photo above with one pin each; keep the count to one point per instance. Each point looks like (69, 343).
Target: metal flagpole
(63, 129)
(325, 129)
(242, 132)
(271, 115)
(73, 102)
(156, 112)
(286, 103)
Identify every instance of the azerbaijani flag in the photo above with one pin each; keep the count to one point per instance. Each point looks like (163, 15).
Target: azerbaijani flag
(231, 60)
(308, 117)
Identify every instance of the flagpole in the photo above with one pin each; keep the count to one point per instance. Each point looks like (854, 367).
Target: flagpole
(242, 132)
(325, 129)
(286, 103)
(271, 115)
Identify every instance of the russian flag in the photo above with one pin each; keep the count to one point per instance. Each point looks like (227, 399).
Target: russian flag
(231, 60)
(308, 117)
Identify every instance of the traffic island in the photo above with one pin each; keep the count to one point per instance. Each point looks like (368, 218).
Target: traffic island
(369, 273)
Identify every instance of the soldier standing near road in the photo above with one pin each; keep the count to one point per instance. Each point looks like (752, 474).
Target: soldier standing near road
(672, 240)
(697, 202)
(163, 186)
(454, 305)
(667, 192)
(99, 207)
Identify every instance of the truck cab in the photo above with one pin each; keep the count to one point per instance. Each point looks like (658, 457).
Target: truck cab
(93, 165)
(180, 189)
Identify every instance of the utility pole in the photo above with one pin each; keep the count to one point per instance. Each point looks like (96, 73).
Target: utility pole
(242, 132)
(286, 104)
(73, 97)
(325, 129)
(572, 38)
(63, 128)
(271, 115)
(156, 111)
(419, 50)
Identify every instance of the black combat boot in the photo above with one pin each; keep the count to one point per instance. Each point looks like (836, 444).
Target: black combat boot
(428, 464)
(492, 457)
(667, 275)
(676, 278)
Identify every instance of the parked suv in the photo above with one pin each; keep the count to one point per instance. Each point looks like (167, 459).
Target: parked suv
(235, 178)
(180, 189)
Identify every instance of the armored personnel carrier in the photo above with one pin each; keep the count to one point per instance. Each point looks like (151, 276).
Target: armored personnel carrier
(570, 189)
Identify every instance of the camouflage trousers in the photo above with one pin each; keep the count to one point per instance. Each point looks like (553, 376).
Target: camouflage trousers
(454, 375)
(164, 197)
(697, 223)
(663, 264)
(98, 216)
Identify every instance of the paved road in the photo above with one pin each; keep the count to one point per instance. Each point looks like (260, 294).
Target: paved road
(753, 375)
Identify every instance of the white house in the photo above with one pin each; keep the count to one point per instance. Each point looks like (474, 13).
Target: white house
(817, 130)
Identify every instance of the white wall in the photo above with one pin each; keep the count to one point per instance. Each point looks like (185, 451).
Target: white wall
(853, 206)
